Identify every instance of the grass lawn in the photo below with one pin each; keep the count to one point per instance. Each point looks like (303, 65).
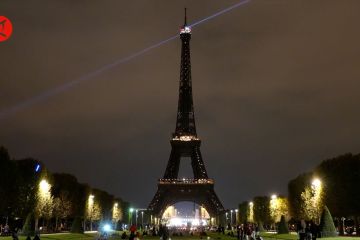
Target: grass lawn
(211, 235)
(269, 236)
(60, 236)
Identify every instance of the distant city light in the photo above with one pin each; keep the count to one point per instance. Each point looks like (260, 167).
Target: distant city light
(273, 196)
(131, 210)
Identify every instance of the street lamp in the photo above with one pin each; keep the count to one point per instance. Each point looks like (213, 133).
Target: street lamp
(44, 200)
(131, 210)
(343, 226)
(317, 190)
(136, 216)
(236, 217)
(231, 221)
(251, 211)
(316, 183)
(90, 208)
(142, 219)
(226, 217)
(44, 187)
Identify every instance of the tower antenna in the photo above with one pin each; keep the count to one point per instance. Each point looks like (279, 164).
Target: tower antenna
(185, 20)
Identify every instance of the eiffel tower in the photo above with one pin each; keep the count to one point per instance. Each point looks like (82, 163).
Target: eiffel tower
(185, 143)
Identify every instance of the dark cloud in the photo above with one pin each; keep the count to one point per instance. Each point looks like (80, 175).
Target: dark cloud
(275, 88)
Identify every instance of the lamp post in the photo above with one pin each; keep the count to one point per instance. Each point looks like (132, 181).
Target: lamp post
(316, 186)
(43, 200)
(274, 209)
(251, 211)
(142, 219)
(343, 226)
(136, 216)
(231, 221)
(115, 214)
(91, 208)
(131, 210)
(236, 217)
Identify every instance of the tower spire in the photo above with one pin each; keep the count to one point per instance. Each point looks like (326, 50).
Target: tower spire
(185, 20)
(185, 122)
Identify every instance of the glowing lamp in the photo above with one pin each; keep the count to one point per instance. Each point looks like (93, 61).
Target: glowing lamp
(316, 183)
(107, 228)
(185, 29)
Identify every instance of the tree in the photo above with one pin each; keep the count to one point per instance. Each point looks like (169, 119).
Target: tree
(283, 226)
(312, 202)
(117, 212)
(27, 186)
(327, 227)
(93, 210)
(44, 200)
(341, 177)
(278, 207)
(76, 226)
(261, 210)
(27, 228)
(62, 207)
(8, 183)
(243, 212)
(295, 189)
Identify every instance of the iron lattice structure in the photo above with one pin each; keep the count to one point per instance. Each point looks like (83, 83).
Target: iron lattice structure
(185, 143)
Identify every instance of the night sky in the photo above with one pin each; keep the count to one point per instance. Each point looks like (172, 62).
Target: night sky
(275, 82)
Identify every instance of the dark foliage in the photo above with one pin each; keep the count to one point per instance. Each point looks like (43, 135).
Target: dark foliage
(283, 226)
(262, 210)
(28, 229)
(327, 227)
(76, 226)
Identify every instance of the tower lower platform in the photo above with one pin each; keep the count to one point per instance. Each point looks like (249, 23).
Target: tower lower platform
(200, 191)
